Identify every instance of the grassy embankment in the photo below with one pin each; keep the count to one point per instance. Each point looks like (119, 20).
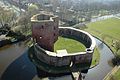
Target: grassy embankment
(108, 31)
(116, 76)
(74, 46)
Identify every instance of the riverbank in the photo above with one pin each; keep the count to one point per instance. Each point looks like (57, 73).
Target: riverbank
(114, 74)
(95, 58)
(15, 38)
(108, 31)
(103, 68)
(9, 41)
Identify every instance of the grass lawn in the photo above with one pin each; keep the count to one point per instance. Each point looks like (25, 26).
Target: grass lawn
(74, 46)
(107, 30)
(69, 44)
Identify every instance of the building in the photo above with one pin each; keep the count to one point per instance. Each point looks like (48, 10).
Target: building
(45, 30)
(45, 33)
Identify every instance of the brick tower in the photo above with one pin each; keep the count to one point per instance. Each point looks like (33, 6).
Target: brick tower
(45, 30)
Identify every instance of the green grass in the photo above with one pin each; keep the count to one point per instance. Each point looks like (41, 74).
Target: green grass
(74, 46)
(115, 76)
(69, 44)
(108, 29)
(96, 57)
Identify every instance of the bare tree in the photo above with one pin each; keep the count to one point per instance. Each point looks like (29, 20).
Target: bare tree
(7, 17)
(32, 9)
(24, 23)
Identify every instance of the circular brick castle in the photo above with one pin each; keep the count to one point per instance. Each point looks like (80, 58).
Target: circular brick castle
(45, 32)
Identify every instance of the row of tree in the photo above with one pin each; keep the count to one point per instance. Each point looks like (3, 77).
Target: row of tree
(21, 23)
(7, 17)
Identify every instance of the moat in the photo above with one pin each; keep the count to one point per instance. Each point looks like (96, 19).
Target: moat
(16, 64)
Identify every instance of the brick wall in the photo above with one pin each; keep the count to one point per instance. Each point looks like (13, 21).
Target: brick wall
(45, 30)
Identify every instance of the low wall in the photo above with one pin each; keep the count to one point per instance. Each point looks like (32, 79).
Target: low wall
(55, 59)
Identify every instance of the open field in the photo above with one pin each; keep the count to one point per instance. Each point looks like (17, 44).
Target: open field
(107, 30)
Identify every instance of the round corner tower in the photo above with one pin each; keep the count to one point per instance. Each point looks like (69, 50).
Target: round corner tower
(45, 30)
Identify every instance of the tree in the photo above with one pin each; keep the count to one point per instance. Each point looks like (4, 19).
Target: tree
(23, 23)
(7, 17)
(117, 46)
(32, 9)
(116, 60)
(81, 26)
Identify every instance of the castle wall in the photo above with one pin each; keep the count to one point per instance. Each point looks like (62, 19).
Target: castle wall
(74, 58)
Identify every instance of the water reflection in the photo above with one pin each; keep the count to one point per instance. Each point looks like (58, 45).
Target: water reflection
(101, 46)
(15, 64)
(20, 69)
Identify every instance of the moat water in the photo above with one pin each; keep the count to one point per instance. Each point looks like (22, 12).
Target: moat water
(101, 70)
(15, 64)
